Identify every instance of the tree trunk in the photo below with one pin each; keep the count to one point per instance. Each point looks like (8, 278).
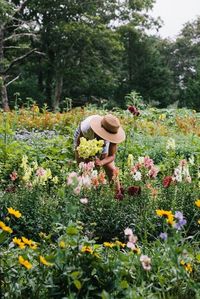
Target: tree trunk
(3, 89)
(4, 97)
(58, 92)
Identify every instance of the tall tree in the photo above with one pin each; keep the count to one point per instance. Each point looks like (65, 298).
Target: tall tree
(14, 47)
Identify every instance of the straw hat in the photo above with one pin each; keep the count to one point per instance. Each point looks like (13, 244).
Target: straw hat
(108, 127)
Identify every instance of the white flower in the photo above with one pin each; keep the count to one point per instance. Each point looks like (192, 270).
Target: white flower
(84, 200)
(170, 144)
(141, 160)
(128, 232)
(137, 176)
(191, 160)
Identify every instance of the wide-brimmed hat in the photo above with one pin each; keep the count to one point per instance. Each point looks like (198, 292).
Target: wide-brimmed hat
(108, 127)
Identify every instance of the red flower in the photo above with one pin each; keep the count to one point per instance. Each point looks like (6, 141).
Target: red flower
(133, 110)
(167, 181)
(134, 190)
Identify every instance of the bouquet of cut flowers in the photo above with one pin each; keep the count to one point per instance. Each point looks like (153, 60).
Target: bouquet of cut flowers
(89, 148)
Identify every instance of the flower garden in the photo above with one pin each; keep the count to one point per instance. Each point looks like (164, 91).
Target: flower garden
(65, 233)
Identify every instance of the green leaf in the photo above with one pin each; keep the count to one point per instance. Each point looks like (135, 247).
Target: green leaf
(105, 295)
(124, 284)
(77, 284)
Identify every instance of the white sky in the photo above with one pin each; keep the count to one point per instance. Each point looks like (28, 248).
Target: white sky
(175, 13)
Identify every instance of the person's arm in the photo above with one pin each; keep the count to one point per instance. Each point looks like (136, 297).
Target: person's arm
(108, 158)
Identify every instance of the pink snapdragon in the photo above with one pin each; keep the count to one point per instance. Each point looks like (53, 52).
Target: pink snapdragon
(40, 172)
(13, 176)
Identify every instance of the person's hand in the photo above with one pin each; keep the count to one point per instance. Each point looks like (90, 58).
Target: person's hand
(98, 162)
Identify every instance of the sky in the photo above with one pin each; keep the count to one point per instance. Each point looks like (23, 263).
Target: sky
(175, 13)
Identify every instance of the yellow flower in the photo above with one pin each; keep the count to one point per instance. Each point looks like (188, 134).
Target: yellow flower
(62, 244)
(166, 214)
(31, 243)
(19, 243)
(26, 241)
(188, 267)
(197, 203)
(44, 261)
(25, 263)
(89, 148)
(199, 221)
(5, 227)
(87, 249)
(11, 211)
(108, 244)
(120, 243)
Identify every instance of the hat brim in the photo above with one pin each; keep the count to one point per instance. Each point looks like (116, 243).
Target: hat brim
(96, 126)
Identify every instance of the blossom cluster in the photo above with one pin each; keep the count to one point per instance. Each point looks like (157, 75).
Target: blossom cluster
(33, 174)
(144, 167)
(87, 178)
(181, 173)
(89, 148)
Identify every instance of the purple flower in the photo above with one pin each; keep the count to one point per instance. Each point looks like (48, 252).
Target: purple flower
(181, 220)
(163, 236)
(180, 224)
(178, 215)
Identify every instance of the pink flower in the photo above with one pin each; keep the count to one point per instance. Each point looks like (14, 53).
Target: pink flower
(77, 190)
(148, 163)
(71, 177)
(146, 262)
(135, 168)
(128, 232)
(13, 176)
(40, 171)
(153, 172)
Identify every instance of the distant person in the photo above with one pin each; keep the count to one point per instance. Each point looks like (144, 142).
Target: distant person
(107, 128)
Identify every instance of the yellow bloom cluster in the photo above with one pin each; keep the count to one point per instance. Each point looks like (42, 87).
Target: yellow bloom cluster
(187, 266)
(23, 242)
(166, 214)
(5, 228)
(13, 212)
(116, 243)
(44, 261)
(89, 148)
(197, 203)
(25, 263)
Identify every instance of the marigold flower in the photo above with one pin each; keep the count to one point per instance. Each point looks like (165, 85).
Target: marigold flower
(44, 261)
(25, 263)
(197, 203)
(13, 212)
